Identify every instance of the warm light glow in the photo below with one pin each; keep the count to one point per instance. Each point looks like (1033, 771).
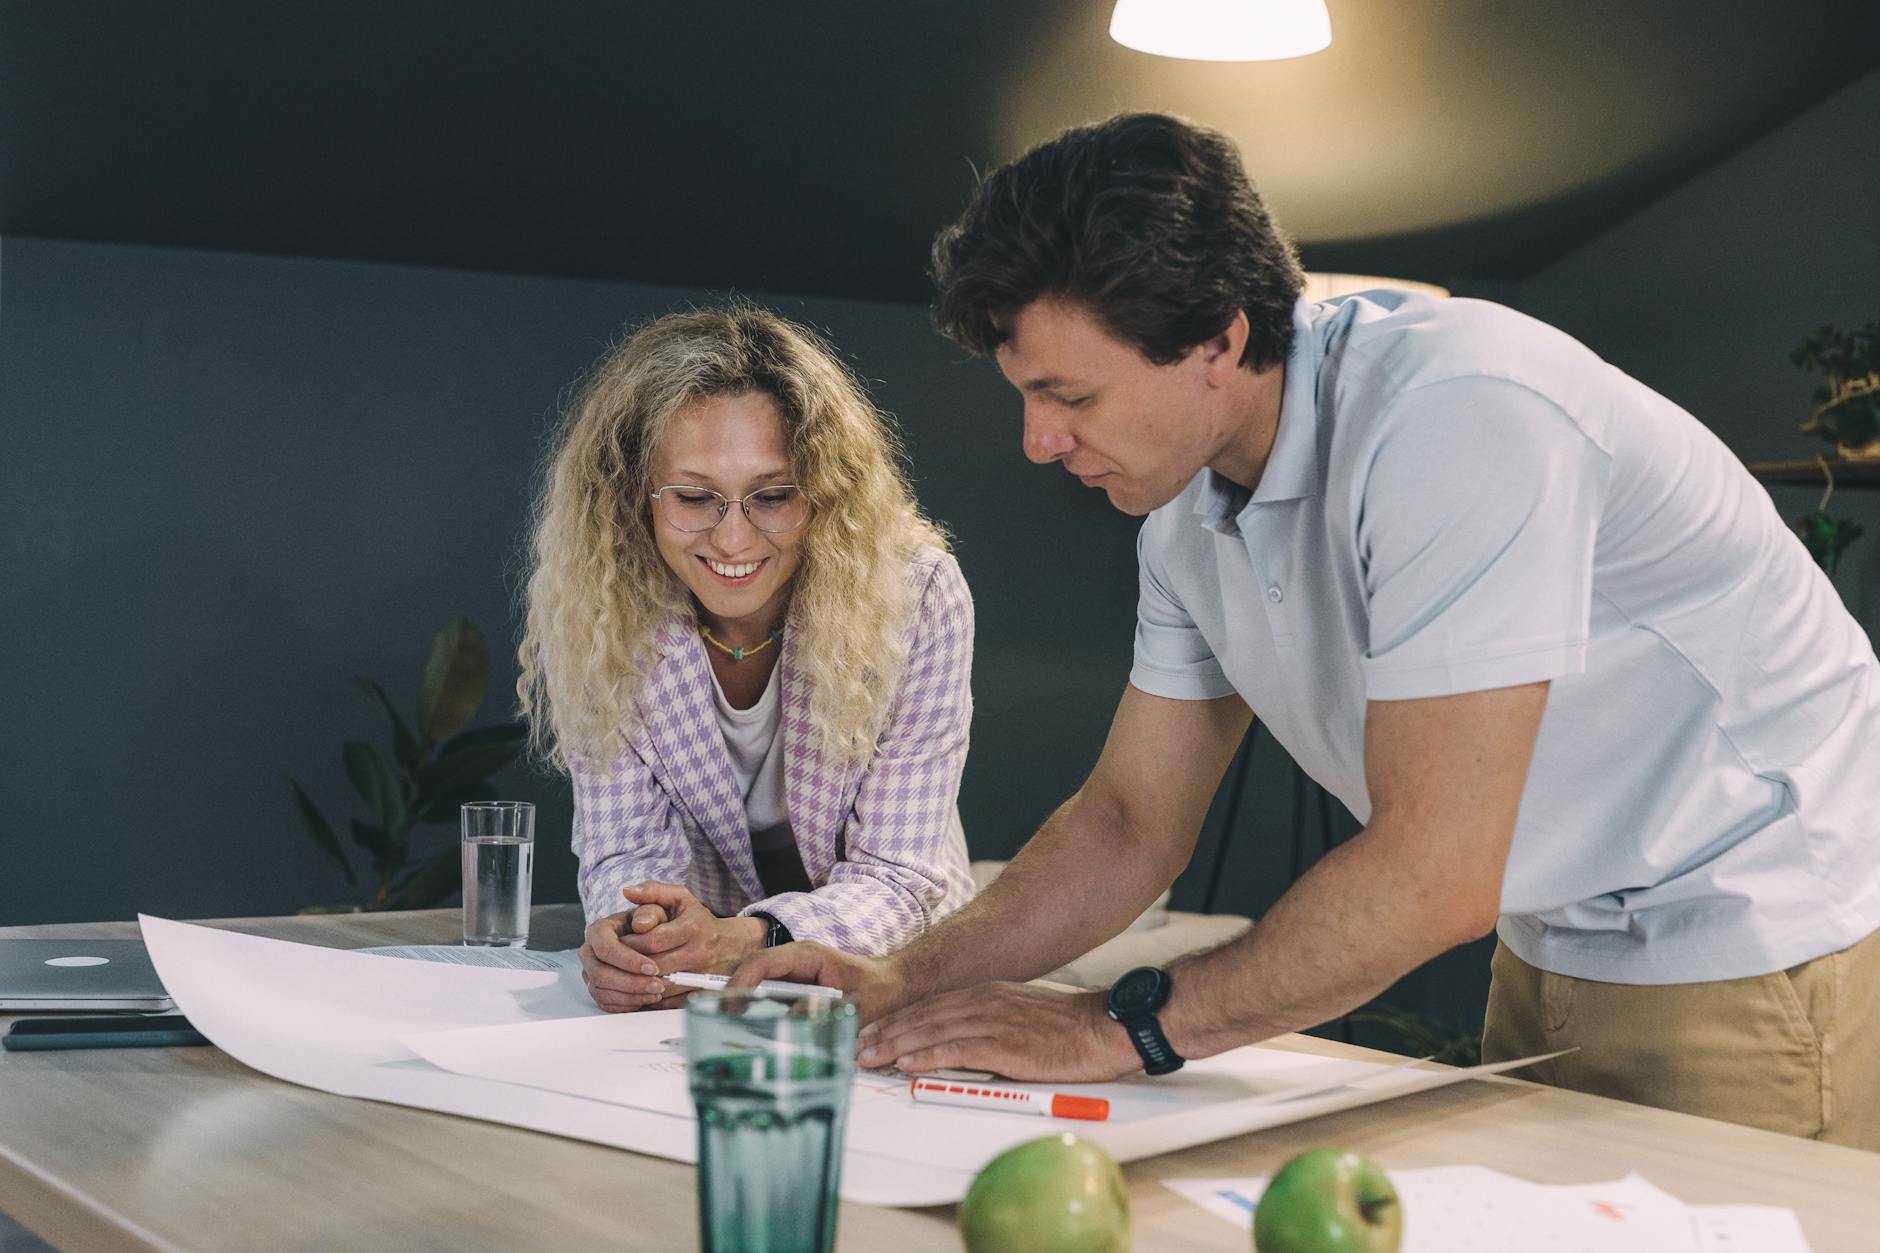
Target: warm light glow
(1325, 286)
(1222, 30)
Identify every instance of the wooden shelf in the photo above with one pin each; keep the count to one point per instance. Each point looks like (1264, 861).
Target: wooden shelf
(1848, 475)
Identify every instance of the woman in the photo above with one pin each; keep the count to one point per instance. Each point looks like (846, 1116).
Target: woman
(751, 652)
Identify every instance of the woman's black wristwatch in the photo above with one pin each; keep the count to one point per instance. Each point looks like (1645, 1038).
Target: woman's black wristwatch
(775, 932)
(1134, 1000)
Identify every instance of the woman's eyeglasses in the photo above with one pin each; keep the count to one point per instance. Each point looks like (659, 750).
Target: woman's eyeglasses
(775, 509)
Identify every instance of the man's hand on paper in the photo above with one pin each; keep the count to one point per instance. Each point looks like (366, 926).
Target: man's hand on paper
(665, 929)
(1012, 1029)
(875, 984)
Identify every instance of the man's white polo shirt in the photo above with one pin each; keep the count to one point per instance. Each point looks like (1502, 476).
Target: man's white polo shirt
(1460, 498)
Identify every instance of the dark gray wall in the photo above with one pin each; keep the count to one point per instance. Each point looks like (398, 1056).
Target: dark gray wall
(233, 482)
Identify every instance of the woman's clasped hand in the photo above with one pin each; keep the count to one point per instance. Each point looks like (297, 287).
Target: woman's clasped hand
(663, 930)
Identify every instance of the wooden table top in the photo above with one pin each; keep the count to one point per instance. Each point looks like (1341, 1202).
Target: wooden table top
(187, 1149)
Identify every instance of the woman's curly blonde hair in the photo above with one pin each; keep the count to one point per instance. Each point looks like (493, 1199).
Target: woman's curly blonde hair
(598, 587)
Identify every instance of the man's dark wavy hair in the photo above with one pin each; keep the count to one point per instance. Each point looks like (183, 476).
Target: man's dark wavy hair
(1146, 220)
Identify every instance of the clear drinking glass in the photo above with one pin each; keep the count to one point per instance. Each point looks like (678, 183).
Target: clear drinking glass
(498, 869)
(770, 1078)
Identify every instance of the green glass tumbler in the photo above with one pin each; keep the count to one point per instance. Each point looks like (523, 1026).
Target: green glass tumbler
(770, 1079)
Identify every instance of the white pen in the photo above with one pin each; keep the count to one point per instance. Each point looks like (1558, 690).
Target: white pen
(771, 987)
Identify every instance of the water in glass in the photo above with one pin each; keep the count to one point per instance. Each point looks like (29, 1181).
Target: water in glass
(496, 875)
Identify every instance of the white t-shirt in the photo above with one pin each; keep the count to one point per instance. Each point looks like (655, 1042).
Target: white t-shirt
(1461, 498)
(756, 751)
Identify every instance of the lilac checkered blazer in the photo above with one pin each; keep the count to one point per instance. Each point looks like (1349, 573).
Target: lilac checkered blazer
(880, 837)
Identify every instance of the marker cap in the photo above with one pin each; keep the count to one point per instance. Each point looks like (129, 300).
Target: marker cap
(1093, 1108)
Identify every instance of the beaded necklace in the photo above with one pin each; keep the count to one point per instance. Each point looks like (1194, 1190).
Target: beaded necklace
(736, 654)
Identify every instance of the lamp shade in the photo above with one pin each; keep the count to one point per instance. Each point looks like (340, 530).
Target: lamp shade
(1222, 30)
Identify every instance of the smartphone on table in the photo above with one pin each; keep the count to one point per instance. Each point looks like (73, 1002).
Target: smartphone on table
(117, 1031)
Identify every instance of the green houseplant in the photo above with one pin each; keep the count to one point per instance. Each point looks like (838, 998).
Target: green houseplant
(435, 765)
(1847, 404)
(1826, 536)
(1847, 415)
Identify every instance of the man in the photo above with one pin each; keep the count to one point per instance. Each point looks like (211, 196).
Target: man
(1528, 620)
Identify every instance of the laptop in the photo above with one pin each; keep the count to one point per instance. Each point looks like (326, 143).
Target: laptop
(79, 974)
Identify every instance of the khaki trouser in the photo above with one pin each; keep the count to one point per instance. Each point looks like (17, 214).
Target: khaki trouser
(1797, 1051)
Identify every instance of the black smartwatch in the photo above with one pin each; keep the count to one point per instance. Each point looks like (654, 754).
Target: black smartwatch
(1134, 1000)
(775, 932)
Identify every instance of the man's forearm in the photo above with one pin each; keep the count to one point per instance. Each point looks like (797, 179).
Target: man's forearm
(1079, 881)
(1369, 912)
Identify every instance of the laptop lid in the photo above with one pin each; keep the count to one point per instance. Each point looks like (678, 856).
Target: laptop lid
(79, 974)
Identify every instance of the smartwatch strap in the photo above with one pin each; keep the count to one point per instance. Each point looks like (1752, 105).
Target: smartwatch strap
(776, 933)
(1145, 1032)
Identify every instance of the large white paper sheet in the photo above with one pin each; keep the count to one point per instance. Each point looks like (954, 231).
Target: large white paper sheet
(331, 1020)
(1472, 1209)
(1247, 1089)
(623, 1059)
(639, 1060)
(528, 1048)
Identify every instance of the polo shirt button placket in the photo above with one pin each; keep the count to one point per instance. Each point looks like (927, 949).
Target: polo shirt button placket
(1277, 617)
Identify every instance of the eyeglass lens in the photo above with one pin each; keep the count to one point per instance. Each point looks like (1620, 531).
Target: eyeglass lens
(773, 509)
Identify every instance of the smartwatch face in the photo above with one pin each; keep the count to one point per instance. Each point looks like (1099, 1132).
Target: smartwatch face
(1140, 989)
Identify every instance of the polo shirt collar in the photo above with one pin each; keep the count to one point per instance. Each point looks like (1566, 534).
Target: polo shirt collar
(1292, 468)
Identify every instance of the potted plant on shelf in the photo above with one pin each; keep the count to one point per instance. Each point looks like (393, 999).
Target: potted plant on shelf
(434, 767)
(1847, 415)
(1847, 405)
(1825, 536)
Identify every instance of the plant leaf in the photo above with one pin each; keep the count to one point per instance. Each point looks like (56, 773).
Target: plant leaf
(449, 808)
(455, 673)
(374, 841)
(456, 771)
(373, 779)
(404, 747)
(435, 878)
(496, 733)
(322, 833)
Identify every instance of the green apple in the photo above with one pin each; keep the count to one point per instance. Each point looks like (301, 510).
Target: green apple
(1328, 1201)
(1058, 1194)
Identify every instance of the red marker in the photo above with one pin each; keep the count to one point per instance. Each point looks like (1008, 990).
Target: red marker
(1012, 1100)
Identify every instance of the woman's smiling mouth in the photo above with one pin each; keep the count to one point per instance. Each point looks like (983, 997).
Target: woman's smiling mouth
(735, 574)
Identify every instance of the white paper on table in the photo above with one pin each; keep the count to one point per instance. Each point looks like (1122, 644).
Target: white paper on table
(1246, 1089)
(331, 1019)
(1462, 1209)
(1728, 1228)
(337, 1020)
(496, 955)
(623, 1059)
(1741, 1228)
(626, 1059)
